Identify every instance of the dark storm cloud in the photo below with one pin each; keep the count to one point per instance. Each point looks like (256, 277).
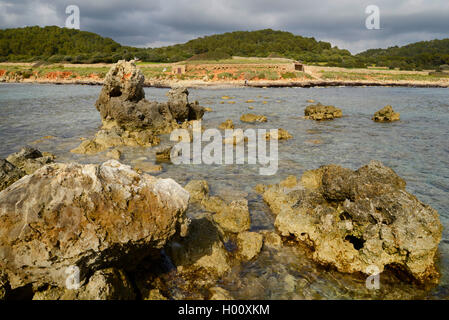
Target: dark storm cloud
(156, 23)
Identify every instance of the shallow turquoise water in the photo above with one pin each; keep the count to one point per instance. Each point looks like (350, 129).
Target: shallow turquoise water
(417, 148)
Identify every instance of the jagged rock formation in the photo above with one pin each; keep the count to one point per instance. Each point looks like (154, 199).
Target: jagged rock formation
(354, 220)
(320, 112)
(89, 216)
(386, 114)
(29, 159)
(133, 119)
(8, 174)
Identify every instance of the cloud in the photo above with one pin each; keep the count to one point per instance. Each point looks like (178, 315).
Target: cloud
(162, 22)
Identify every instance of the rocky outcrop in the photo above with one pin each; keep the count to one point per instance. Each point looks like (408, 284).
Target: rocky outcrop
(282, 134)
(129, 119)
(232, 217)
(249, 244)
(354, 220)
(386, 114)
(29, 159)
(89, 216)
(9, 174)
(122, 102)
(320, 112)
(250, 117)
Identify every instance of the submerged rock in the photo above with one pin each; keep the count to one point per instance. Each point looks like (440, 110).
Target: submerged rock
(354, 220)
(321, 112)
(88, 216)
(9, 174)
(114, 154)
(218, 293)
(249, 244)
(228, 124)
(281, 135)
(386, 114)
(249, 117)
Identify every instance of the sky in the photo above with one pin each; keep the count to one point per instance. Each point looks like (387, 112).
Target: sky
(155, 23)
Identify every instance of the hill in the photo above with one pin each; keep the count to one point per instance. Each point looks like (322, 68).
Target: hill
(56, 44)
(418, 55)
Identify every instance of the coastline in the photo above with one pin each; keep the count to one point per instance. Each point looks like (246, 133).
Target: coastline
(250, 84)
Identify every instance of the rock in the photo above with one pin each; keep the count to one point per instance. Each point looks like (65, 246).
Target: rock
(386, 114)
(106, 284)
(29, 159)
(147, 167)
(163, 153)
(234, 217)
(228, 124)
(218, 293)
(281, 135)
(311, 101)
(207, 109)
(122, 105)
(354, 220)
(3, 286)
(249, 101)
(271, 239)
(249, 244)
(251, 108)
(321, 112)
(89, 216)
(155, 294)
(9, 174)
(198, 189)
(202, 249)
(249, 117)
(116, 137)
(114, 154)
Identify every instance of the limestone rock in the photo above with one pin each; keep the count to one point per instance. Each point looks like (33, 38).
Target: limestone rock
(163, 153)
(89, 216)
(321, 112)
(198, 189)
(114, 154)
(106, 284)
(9, 174)
(281, 135)
(218, 293)
(29, 159)
(122, 102)
(249, 117)
(386, 114)
(202, 249)
(354, 220)
(228, 124)
(234, 217)
(249, 244)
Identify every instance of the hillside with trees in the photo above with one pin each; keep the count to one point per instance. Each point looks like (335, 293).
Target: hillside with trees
(54, 44)
(415, 56)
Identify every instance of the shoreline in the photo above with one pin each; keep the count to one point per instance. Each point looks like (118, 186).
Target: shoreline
(250, 84)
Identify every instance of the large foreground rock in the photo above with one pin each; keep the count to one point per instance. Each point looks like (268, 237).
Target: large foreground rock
(88, 216)
(354, 220)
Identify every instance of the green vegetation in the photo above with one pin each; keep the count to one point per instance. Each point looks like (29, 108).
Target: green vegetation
(55, 45)
(415, 56)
